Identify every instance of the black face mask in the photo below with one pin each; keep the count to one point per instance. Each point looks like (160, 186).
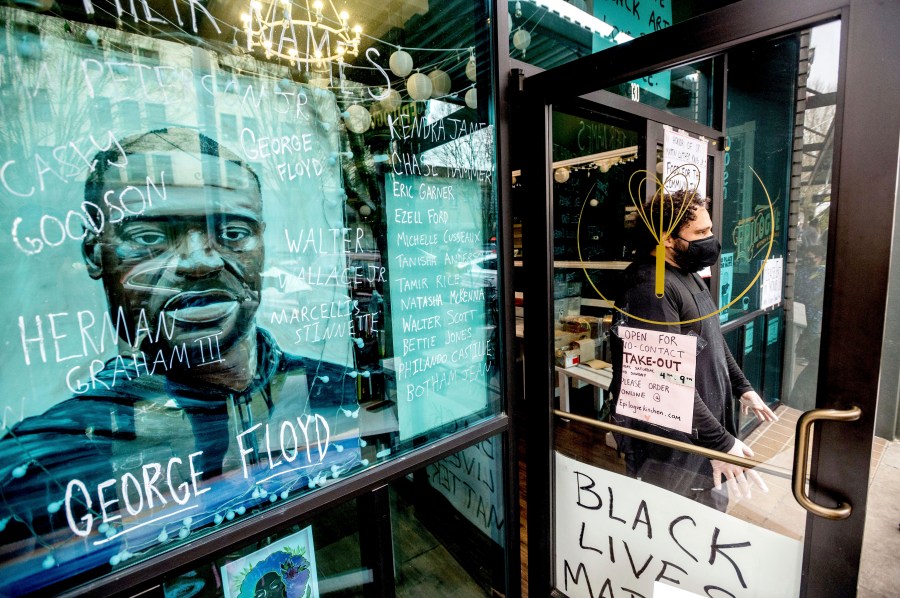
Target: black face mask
(699, 254)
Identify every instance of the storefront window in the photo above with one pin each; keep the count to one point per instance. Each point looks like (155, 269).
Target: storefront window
(446, 527)
(254, 252)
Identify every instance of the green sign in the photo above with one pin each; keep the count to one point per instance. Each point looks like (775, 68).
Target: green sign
(441, 279)
(726, 281)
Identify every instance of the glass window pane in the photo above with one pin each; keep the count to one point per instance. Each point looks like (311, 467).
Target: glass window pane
(547, 33)
(809, 218)
(252, 257)
(322, 557)
(449, 525)
(684, 91)
(446, 527)
(594, 161)
(760, 131)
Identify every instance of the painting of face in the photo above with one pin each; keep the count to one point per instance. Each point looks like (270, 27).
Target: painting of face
(270, 586)
(283, 569)
(183, 268)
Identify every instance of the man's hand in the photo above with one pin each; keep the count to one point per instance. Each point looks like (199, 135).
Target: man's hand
(751, 400)
(738, 484)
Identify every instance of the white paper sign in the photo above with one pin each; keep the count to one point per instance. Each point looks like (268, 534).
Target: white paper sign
(684, 155)
(770, 290)
(658, 377)
(616, 536)
(661, 590)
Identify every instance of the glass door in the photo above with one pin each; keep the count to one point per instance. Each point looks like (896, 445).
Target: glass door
(696, 287)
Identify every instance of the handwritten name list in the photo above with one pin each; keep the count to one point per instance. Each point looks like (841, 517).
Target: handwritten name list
(440, 279)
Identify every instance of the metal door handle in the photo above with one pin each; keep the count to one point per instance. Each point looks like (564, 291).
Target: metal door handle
(801, 456)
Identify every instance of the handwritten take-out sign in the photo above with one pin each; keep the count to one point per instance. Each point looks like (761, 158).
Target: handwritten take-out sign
(658, 377)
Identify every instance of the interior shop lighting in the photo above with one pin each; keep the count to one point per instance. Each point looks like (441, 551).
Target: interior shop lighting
(304, 32)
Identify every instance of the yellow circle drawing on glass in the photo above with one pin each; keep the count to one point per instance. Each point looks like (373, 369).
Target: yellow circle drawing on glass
(661, 231)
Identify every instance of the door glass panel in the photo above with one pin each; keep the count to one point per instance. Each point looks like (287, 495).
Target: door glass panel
(669, 356)
(593, 163)
(684, 91)
(548, 33)
(809, 222)
(760, 131)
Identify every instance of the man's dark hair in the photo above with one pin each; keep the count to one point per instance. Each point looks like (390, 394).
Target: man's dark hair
(172, 139)
(684, 203)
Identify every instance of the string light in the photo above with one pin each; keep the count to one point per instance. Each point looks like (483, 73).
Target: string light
(471, 72)
(472, 98)
(401, 63)
(419, 87)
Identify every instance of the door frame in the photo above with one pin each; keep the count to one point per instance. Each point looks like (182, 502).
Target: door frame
(864, 183)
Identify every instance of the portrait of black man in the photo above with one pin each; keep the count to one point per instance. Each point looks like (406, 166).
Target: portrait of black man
(199, 416)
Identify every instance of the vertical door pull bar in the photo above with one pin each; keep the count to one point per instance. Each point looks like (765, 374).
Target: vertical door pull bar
(801, 457)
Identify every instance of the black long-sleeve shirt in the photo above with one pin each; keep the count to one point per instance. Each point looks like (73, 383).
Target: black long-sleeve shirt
(717, 377)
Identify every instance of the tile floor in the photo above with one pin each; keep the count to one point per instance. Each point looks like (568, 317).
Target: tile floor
(879, 571)
(777, 510)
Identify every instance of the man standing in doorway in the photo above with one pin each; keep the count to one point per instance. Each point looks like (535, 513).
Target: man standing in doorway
(686, 307)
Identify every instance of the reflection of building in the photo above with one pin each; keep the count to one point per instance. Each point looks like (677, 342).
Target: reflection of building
(127, 82)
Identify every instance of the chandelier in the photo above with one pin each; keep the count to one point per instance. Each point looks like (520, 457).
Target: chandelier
(301, 33)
